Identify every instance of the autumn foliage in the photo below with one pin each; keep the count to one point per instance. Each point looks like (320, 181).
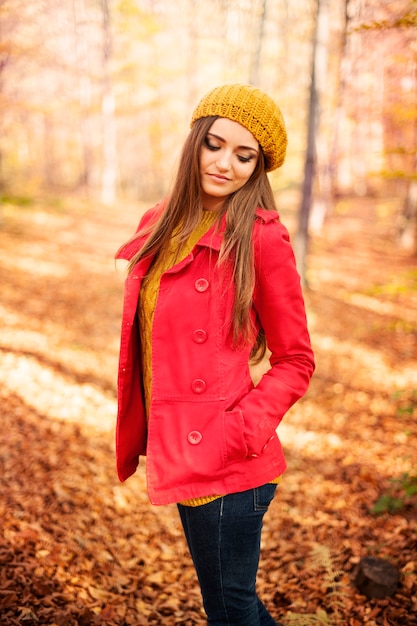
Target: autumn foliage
(79, 548)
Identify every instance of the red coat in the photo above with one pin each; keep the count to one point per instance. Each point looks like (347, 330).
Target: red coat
(210, 431)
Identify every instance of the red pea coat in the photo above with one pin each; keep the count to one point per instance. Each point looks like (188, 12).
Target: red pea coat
(209, 430)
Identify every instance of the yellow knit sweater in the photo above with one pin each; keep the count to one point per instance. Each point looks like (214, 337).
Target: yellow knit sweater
(146, 309)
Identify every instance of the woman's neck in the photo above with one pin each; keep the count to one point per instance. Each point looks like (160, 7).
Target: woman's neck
(211, 203)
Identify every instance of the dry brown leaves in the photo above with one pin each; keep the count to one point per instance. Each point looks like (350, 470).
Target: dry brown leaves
(77, 547)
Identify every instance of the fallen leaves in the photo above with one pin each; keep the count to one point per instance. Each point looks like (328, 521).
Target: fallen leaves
(79, 548)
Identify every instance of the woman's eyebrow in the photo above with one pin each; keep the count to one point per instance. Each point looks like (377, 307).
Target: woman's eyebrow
(239, 147)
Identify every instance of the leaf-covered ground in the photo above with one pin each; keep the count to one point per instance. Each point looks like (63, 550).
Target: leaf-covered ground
(78, 547)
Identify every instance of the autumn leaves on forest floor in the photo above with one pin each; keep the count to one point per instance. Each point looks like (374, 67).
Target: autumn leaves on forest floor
(78, 547)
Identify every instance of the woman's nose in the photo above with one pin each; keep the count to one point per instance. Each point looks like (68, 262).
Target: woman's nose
(224, 160)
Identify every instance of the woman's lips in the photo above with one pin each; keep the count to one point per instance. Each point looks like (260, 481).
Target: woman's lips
(219, 178)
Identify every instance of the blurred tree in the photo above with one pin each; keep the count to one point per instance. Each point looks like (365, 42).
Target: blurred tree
(342, 85)
(255, 69)
(12, 20)
(4, 57)
(405, 113)
(85, 94)
(109, 169)
(389, 114)
(192, 56)
(318, 80)
(97, 95)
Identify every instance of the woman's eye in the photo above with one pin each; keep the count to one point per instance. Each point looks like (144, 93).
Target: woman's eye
(243, 159)
(210, 146)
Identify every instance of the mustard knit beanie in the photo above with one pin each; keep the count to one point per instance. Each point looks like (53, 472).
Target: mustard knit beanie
(256, 111)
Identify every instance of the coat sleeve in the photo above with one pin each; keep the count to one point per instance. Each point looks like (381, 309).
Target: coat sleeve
(279, 305)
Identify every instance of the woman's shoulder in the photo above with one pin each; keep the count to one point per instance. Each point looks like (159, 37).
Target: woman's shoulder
(151, 215)
(269, 233)
(268, 224)
(148, 219)
(265, 216)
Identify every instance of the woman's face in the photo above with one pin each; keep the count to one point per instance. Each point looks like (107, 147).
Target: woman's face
(228, 158)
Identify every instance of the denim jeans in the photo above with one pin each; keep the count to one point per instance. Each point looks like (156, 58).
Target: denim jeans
(224, 538)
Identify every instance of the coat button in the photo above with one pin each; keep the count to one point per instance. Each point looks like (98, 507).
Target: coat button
(194, 437)
(201, 284)
(198, 385)
(199, 336)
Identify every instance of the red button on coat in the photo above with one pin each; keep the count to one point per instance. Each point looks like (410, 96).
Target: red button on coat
(201, 284)
(199, 336)
(198, 385)
(194, 437)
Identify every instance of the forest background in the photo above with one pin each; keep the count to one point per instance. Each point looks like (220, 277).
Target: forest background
(95, 101)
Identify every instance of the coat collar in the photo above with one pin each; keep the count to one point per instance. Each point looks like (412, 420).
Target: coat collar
(212, 239)
(214, 236)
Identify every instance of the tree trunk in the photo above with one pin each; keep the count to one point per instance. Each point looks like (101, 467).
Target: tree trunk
(192, 58)
(376, 578)
(318, 72)
(343, 74)
(84, 93)
(254, 77)
(407, 234)
(109, 174)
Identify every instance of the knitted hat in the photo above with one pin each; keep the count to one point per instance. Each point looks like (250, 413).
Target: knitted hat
(255, 110)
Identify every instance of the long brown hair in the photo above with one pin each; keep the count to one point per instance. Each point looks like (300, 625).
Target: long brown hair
(183, 212)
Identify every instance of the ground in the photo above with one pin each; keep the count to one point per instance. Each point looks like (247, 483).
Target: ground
(79, 548)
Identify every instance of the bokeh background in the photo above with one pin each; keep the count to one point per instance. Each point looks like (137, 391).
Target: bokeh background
(97, 95)
(95, 102)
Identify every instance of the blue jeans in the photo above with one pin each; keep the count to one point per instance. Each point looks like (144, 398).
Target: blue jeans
(224, 539)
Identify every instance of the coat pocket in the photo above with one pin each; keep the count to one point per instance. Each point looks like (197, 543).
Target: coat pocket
(236, 449)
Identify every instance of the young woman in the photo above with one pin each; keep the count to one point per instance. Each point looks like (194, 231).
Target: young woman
(211, 283)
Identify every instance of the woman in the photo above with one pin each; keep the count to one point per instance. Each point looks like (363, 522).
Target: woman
(211, 283)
